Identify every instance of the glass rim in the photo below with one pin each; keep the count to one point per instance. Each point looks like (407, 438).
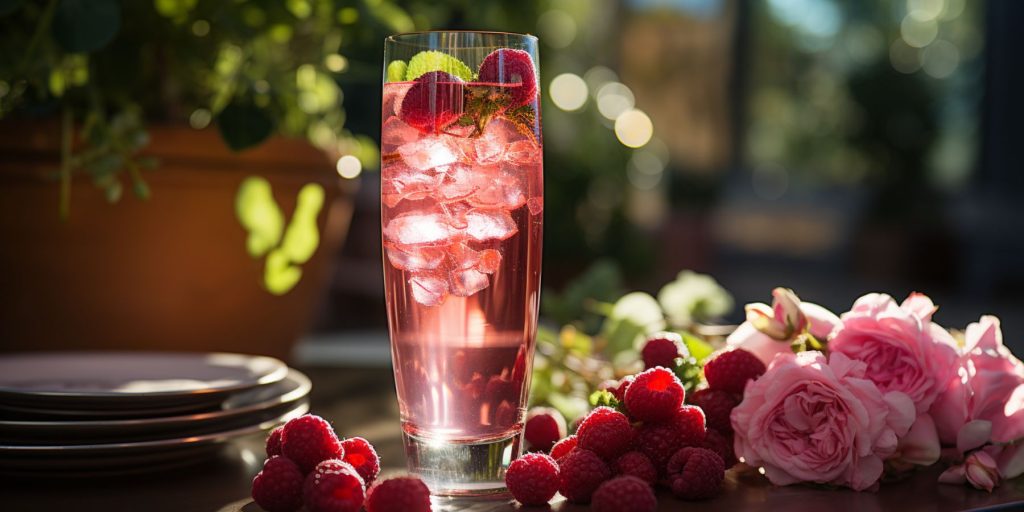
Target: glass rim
(403, 37)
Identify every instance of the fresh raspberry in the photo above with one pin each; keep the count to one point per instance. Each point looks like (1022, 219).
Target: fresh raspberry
(654, 395)
(717, 406)
(544, 427)
(274, 442)
(407, 493)
(308, 440)
(278, 487)
(690, 425)
(510, 66)
(606, 432)
(658, 441)
(582, 471)
(662, 349)
(361, 455)
(636, 464)
(433, 102)
(722, 444)
(563, 447)
(624, 494)
(333, 486)
(532, 479)
(695, 473)
(618, 387)
(730, 371)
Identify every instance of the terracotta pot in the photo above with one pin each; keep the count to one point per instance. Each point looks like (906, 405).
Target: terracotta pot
(169, 273)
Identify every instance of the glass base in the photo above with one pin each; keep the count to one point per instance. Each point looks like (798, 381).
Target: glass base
(462, 469)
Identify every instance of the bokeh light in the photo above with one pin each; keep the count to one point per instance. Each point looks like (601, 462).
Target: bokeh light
(556, 28)
(903, 57)
(634, 128)
(349, 167)
(925, 10)
(568, 91)
(918, 33)
(940, 59)
(336, 63)
(201, 28)
(613, 99)
(200, 118)
(598, 76)
(645, 169)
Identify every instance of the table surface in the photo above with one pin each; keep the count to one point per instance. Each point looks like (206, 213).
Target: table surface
(361, 402)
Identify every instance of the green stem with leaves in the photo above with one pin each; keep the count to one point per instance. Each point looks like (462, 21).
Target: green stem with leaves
(41, 28)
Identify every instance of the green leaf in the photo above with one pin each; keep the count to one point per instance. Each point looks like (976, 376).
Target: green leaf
(575, 341)
(396, 71)
(699, 349)
(279, 275)
(524, 119)
(303, 236)
(259, 215)
(425, 62)
(603, 397)
(633, 316)
(9, 6)
(82, 26)
(174, 9)
(571, 407)
(244, 126)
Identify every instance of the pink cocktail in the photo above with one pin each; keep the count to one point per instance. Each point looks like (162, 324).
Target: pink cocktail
(461, 218)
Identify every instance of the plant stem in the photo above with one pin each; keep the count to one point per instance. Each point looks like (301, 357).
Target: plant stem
(65, 163)
(44, 24)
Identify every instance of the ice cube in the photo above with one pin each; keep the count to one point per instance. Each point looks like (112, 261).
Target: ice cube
(503, 190)
(415, 258)
(462, 257)
(429, 151)
(419, 228)
(536, 205)
(456, 212)
(489, 261)
(400, 182)
(503, 130)
(396, 133)
(488, 148)
(393, 96)
(484, 224)
(523, 152)
(428, 289)
(458, 182)
(467, 282)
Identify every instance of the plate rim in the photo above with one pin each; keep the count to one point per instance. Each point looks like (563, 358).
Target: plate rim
(275, 375)
(177, 442)
(305, 385)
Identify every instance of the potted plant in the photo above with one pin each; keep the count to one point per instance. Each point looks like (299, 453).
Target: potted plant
(224, 122)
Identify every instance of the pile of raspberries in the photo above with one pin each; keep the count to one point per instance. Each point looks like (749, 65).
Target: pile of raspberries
(651, 437)
(309, 466)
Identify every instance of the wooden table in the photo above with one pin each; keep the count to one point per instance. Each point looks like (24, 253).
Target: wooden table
(361, 402)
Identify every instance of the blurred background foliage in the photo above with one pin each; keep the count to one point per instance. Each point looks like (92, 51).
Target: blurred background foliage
(832, 146)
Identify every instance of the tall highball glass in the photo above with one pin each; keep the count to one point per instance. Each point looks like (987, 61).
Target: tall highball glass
(461, 216)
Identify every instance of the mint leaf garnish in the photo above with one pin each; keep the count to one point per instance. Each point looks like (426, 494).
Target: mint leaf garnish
(427, 61)
(523, 118)
(396, 71)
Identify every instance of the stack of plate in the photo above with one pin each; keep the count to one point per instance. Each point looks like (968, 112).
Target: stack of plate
(101, 412)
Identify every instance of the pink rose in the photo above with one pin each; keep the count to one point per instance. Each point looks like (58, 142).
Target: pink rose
(812, 420)
(985, 402)
(903, 349)
(980, 470)
(771, 330)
